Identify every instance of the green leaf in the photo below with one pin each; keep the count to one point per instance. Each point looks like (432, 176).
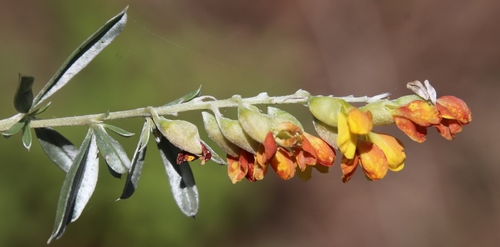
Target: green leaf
(23, 100)
(59, 149)
(185, 98)
(14, 129)
(78, 186)
(112, 152)
(118, 130)
(180, 177)
(137, 162)
(82, 56)
(27, 139)
(40, 110)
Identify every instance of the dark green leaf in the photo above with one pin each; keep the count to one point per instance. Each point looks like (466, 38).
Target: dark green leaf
(14, 129)
(137, 162)
(59, 149)
(78, 186)
(23, 100)
(215, 157)
(185, 98)
(27, 140)
(82, 56)
(180, 177)
(118, 130)
(111, 151)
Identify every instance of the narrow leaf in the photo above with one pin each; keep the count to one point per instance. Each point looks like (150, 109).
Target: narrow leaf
(82, 56)
(59, 149)
(23, 100)
(77, 187)
(40, 110)
(14, 129)
(137, 162)
(27, 139)
(180, 177)
(185, 98)
(112, 152)
(118, 130)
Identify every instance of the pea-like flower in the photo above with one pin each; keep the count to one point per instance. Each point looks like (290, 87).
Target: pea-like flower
(454, 114)
(376, 153)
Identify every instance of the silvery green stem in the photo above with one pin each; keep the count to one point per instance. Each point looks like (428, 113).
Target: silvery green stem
(200, 103)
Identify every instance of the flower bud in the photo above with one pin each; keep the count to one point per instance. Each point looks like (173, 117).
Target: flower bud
(254, 123)
(182, 134)
(279, 116)
(214, 132)
(326, 109)
(231, 129)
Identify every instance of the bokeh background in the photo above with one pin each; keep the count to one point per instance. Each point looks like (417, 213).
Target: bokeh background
(447, 195)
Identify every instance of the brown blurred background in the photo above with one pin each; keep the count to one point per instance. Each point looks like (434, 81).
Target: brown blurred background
(447, 195)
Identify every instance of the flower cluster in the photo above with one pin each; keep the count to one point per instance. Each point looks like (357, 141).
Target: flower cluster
(257, 140)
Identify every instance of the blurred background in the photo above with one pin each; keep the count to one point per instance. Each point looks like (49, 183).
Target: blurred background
(447, 195)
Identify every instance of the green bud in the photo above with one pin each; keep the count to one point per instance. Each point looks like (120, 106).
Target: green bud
(214, 132)
(231, 129)
(327, 133)
(381, 112)
(326, 109)
(253, 122)
(182, 134)
(278, 116)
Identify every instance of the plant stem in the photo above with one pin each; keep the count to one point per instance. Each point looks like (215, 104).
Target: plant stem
(299, 97)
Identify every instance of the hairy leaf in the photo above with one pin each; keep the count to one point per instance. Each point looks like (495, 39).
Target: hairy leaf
(27, 139)
(137, 162)
(23, 100)
(185, 98)
(14, 129)
(180, 177)
(112, 151)
(78, 186)
(118, 130)
(82, 56)
(59, 149)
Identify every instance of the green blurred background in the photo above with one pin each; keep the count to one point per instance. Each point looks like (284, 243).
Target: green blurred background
(447, 195)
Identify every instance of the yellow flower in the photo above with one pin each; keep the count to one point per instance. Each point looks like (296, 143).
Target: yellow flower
(350, 125)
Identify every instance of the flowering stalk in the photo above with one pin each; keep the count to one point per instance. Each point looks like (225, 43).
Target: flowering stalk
(253, 142)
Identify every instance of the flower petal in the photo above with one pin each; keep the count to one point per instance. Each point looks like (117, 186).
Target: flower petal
(456, 108)
(267, 149)
(346, 140)
(348, 167)
(448, 128)
(419, 112)
(373, 160)
(325, 154)
(412, 130)
(236, 168)
(283, 164)
(359, 122)
(392, 148)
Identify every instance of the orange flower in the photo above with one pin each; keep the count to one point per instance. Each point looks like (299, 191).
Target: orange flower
(448, 116)
(376, 154)
(454, 114)
(296, 151)
(414, 117)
